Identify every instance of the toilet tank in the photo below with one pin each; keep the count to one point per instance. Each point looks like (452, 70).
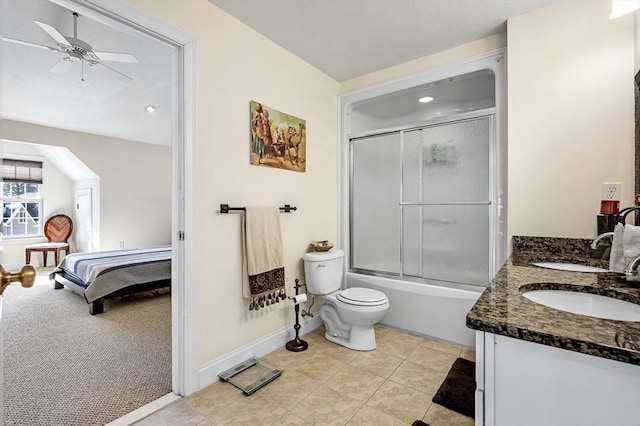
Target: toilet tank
(323, 271)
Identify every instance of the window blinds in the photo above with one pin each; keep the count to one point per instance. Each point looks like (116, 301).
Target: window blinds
(21, 171)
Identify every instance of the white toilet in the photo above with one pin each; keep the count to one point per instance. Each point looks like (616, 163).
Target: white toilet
(348, 315)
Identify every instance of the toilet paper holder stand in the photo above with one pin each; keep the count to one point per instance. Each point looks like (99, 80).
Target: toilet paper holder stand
(297, 344)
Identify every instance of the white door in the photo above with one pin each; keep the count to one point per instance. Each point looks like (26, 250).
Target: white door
(84, 221)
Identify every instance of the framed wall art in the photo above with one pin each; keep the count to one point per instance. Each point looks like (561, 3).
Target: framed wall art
(277, 139)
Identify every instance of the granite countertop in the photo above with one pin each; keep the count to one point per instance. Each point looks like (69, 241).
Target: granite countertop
(501, 309)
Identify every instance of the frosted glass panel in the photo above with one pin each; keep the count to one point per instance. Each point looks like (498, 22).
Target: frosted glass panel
(420, 202)
(448, 243)
(375, 209)
(447, 163)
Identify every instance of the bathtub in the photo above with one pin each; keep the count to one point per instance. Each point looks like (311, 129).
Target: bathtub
(426, 309)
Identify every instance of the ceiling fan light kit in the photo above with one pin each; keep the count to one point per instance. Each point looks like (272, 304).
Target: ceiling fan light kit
(76, 50)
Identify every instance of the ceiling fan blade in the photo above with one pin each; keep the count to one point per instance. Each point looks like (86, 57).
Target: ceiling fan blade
(62, 67)
(59, 38)
(113, 69)
(117, 57)
(28, 43)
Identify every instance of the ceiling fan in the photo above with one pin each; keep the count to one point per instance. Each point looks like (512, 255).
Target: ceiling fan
(76, 50)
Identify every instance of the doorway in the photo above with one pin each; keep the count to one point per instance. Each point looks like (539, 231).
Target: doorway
(183, 222)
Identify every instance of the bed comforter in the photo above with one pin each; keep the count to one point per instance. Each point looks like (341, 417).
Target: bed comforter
(102, 273)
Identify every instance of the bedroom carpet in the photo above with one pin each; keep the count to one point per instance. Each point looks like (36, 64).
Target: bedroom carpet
(63, 366)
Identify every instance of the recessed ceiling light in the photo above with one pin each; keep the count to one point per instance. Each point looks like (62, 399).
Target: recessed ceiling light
(425, 99)
(150, 108)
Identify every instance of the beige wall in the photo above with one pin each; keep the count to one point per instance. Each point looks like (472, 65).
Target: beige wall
(135, 199)
(570, 116)
(234, 66)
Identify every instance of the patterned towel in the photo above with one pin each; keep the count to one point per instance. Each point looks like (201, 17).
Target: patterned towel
(263, 275)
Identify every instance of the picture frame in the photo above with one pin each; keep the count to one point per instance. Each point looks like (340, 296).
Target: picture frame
(278, 139)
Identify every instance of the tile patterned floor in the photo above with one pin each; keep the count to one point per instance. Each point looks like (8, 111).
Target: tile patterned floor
(329, 384)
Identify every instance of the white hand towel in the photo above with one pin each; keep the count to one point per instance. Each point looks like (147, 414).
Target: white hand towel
(631, 247)
(631, 242)
(616, 259)
(263, 263)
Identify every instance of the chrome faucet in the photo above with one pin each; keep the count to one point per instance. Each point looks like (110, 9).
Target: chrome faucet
(600, 237)
(632, 268)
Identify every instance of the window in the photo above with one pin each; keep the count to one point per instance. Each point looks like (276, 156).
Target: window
(21, 198)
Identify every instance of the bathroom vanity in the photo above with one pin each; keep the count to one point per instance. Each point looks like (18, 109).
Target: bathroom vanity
(537, 365)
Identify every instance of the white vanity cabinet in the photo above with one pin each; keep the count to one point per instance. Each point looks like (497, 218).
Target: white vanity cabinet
(530, 384)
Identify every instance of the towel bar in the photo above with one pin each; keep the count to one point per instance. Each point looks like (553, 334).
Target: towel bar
(224, 208)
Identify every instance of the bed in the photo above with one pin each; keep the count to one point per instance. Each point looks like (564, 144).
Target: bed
(100, 275)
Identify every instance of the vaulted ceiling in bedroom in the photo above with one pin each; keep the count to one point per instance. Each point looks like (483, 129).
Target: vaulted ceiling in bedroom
(67, 90)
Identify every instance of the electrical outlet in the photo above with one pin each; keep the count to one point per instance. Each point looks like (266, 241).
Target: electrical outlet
(611, 191)
(121, 244)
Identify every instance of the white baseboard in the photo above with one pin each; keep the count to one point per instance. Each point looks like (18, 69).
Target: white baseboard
(208, 373)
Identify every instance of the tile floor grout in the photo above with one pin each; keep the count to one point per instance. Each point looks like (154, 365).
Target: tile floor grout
(392, 385)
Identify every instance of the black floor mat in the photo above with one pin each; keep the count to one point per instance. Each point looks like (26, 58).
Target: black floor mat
(457, 392)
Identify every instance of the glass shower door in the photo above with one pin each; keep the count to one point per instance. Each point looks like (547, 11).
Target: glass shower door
(375, 199)
(420, 202)
(446, 202)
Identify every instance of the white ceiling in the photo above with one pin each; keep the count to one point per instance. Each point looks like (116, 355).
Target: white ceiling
(343, 38)
(350, 38)
(105, 103)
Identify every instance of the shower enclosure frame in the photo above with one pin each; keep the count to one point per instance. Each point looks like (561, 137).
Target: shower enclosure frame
(486, 113)
(493, 61)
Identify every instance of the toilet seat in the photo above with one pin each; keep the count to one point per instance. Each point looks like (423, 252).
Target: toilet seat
(360, 296)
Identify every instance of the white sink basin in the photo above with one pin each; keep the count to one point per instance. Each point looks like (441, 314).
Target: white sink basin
(573, 267)
(593, 305)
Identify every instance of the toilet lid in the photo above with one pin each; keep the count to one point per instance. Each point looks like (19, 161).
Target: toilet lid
(362, 296)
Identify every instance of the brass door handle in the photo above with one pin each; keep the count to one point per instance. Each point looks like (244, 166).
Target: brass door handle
(26, 277)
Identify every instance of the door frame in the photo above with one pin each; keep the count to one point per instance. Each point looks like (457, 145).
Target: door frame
(184, 218)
